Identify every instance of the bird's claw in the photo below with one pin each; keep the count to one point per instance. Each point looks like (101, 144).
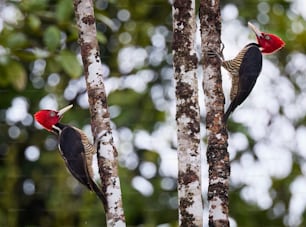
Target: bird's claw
(212, 53)
(222, 48)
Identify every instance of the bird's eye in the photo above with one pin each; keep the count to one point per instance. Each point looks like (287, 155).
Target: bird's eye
(52, 114)
(267, 37)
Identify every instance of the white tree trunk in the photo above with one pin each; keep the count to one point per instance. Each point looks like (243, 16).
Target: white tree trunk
(187, 114)
(217, 155)
(100, 119)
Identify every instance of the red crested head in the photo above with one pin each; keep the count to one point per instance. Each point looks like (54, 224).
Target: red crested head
(48, 118)
(269, 43)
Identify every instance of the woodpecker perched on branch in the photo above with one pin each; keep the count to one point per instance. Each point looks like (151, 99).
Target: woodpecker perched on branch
(79, 154)
(246, 66)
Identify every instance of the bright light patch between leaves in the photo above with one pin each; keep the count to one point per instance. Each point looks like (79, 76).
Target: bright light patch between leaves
(48, 102)
(18, 111)
(130, 58)
(142, 185)
(32, 153)
(28, 187)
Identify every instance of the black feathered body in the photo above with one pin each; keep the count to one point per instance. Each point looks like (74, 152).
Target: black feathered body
(79, 156)
(244, 69)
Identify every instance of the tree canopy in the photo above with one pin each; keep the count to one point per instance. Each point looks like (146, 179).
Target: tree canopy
(40, 67)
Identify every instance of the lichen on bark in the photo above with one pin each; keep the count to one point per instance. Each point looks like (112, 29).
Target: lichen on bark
(217, 154)
(187, 114)
(100, 118)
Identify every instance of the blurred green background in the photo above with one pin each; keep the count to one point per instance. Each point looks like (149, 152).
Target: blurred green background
(40, 67)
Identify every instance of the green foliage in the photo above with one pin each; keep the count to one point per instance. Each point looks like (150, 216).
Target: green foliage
(64, 11)
(15, 40)
(132, 117)
(52, 38)
(39, 66)
(32, 5)
(16, 75)
(70, 63)
(41, 43)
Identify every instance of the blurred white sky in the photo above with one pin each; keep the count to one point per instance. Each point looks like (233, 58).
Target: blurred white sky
(276, 136)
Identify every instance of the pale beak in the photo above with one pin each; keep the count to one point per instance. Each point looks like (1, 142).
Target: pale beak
(64, 110)
(257, 32)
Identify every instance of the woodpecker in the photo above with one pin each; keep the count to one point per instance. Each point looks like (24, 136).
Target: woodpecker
(79, 154)
(246, 66)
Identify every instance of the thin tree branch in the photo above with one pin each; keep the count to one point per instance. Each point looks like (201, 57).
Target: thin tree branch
(187, 114)
(217, 155)
(100, 119)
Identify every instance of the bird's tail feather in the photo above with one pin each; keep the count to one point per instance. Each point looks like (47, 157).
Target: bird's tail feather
(100, 194)
(230, 109)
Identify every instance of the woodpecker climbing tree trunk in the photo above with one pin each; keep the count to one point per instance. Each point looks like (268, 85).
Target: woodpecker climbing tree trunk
(100, 119)
(185, 63)
(217, 155)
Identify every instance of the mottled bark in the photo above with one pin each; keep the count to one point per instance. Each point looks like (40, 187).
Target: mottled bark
(100, 119)
(187, 114)
(217, 155)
